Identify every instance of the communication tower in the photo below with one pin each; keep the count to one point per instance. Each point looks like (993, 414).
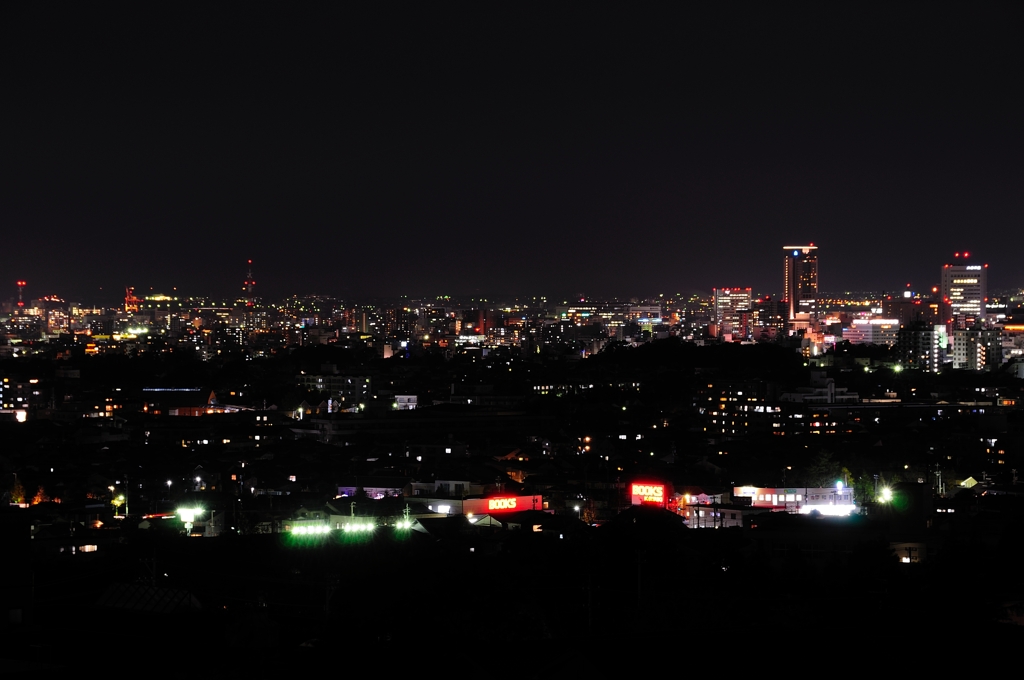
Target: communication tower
(249, 283)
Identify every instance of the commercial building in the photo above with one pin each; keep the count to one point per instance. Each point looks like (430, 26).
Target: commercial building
(977, 349)
(347, 389)
(729, 303)
(910, 308)
(923, 346)
(872, 332)
(480, 506)
(837, 500)
(801, 285)
(964, 288)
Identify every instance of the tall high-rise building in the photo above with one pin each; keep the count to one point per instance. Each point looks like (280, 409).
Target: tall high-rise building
(801, 284)
(922, 345)
(977, 349)
(965, 290)
(729, 302)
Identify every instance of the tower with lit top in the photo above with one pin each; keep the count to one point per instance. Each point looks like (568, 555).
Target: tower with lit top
(800, 285)
(248, 287)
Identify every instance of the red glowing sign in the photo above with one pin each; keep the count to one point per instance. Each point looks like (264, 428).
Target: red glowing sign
(644, 494)
(478, 506)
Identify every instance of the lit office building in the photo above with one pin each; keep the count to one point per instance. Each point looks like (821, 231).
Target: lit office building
(729, 302)
(872, 332)
(965, 290)
(801, 285)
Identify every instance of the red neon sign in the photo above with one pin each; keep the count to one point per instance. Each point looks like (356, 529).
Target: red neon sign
(474, 506)
(648, 493)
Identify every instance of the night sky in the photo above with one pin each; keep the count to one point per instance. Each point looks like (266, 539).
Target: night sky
(384, 149)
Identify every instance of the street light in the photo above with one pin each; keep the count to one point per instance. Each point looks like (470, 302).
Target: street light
(577, 509)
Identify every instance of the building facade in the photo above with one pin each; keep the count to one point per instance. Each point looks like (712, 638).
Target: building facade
(801, 285)
(977, 349)
(923, 346)
(729, 303)
(872, 332)
(965, 289)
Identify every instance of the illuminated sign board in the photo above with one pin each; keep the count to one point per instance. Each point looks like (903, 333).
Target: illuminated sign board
(648, 494)
(482, 506)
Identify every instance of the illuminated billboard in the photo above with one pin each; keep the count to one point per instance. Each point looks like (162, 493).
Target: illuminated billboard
(483, 506)
(648, 494)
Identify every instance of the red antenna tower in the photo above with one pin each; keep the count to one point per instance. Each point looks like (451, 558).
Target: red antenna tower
(249, 283)
(21, 287)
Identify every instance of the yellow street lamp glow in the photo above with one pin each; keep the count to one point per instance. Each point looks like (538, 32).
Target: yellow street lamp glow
(886, 494)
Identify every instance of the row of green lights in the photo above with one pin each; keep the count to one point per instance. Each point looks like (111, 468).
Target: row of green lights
(311, 530)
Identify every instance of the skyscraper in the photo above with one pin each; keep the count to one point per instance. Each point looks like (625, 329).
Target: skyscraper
(729, 302)
(965, 290)
(801, 285)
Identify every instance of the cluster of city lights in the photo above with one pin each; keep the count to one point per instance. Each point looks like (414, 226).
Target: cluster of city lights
(311, 530)
(349, 528)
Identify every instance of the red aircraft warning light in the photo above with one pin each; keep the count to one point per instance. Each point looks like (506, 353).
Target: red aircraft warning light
(248, 286)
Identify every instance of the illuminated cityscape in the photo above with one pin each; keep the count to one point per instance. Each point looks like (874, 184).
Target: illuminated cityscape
(460, 337)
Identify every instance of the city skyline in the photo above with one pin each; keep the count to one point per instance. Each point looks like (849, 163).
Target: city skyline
(310, 314)
(794, 255)
(604, 153)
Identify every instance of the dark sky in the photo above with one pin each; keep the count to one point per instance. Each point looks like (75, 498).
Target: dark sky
(379, 150)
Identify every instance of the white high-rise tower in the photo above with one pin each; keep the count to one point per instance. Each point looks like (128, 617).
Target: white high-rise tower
(965, 290)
